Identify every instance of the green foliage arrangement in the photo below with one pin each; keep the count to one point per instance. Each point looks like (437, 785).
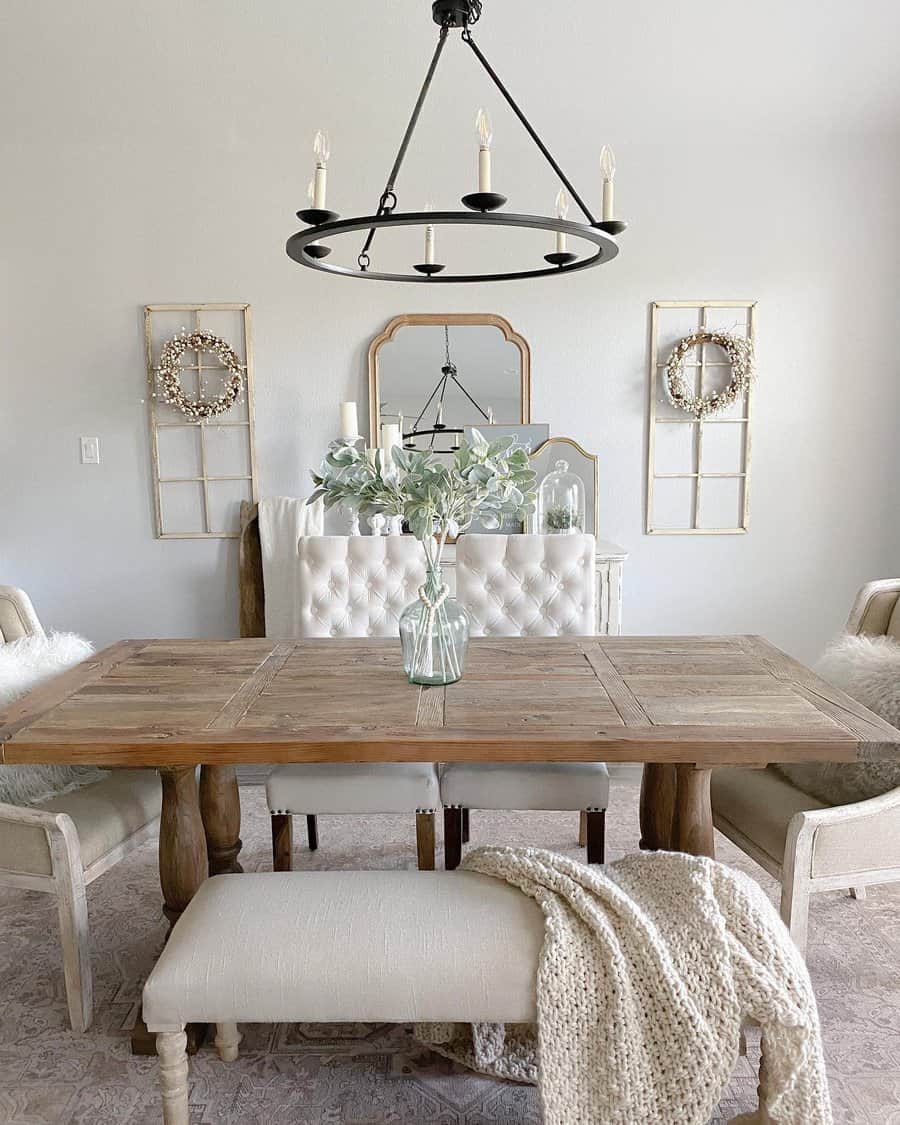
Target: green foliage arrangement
(486, 480)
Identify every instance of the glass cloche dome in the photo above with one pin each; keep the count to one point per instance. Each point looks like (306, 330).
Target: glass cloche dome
(561, 502)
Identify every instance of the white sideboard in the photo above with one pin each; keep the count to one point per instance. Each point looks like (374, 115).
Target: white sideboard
(609, 573)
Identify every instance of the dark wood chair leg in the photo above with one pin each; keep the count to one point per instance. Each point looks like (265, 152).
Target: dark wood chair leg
(282, 841)
(582, 830)
(596, 835)
(312, 832)
(452, 838)
(425, 840)
(465, 826)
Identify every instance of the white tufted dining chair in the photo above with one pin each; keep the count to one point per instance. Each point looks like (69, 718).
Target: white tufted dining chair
(531, 586)
(354, 586)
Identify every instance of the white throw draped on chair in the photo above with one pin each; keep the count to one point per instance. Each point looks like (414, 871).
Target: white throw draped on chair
(282, 522)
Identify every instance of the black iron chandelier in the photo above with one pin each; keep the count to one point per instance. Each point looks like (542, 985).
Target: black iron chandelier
(309, 247)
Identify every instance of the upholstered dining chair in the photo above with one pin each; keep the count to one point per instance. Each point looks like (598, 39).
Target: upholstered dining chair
(806, 844)
(61, 845)
(354, 586)
(527, 586)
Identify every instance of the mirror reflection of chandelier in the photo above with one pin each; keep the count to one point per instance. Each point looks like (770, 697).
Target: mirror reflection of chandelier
(427, 436)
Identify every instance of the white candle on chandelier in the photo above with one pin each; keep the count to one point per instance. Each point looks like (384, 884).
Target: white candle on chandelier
(562, 211)
(608, 167)
(490, 415)
(439, 421)
(485, 136)
(349, 421)
(322, 150)
(429, 237)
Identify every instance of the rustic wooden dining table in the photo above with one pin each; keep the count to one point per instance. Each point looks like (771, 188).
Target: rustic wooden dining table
(681, 705)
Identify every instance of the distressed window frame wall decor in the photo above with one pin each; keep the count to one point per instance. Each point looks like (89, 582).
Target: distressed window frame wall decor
(697, 475)
(201, 316)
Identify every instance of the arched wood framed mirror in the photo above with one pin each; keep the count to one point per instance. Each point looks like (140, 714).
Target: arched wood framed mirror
(489, 378)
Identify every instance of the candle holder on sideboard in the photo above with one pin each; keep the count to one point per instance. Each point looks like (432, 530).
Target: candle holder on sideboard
(484, 201)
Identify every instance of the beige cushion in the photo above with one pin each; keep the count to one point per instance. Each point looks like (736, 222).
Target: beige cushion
(760, 804)
(354, 787)
(342, 946)
(554, 786)
(105, 814)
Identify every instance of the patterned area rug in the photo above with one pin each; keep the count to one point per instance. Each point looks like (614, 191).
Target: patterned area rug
(361, 1074)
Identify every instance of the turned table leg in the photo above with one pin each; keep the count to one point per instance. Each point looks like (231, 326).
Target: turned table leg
(220, 807)
(658, 788)
(692, 827)
(182, 842)
(183, 867)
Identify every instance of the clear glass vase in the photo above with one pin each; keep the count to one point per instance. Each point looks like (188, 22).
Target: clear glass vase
(434, 635)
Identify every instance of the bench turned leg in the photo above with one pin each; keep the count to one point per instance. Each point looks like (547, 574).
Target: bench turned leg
(173, 1074)
(228, 1040)
(312, 833)
(425, 840)
(282, 841)
(596, 835)
(452, 838)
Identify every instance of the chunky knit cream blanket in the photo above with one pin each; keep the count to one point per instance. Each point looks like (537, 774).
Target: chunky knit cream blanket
(649, 968)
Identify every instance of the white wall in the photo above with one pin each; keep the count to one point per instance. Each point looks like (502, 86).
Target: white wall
(156, 151)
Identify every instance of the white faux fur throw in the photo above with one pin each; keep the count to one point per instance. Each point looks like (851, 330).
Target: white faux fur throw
(649, 968)
(23, 665)
(868, 668)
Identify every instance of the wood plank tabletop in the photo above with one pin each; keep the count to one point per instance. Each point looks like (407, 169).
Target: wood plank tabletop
(702, 700)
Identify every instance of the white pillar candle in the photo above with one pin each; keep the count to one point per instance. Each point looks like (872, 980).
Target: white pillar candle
(349, 421)
(440, 414)
(390, 436)
(429, 245)
(319, 187)
(560, 242)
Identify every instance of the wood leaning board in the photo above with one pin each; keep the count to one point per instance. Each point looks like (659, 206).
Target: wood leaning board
(702, 700)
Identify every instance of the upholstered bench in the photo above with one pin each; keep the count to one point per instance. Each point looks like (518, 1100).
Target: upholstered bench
(340, 946)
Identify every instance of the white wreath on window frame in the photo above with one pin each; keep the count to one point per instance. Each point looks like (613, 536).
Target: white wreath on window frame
(739, 351)
(170, 370)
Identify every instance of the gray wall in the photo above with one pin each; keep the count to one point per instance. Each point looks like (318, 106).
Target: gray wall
(156, 151)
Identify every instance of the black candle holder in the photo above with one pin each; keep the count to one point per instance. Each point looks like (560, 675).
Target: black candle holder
(315, 216)
(429, 268)
(611, 226)
(560, 258)
(317, 250)
(484, 201)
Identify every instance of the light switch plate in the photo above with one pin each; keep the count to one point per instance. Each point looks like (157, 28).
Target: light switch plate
(90, 451)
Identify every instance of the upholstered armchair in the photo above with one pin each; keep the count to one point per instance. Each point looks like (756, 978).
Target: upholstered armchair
(61, 845)
(354, 586)
(807, 845)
